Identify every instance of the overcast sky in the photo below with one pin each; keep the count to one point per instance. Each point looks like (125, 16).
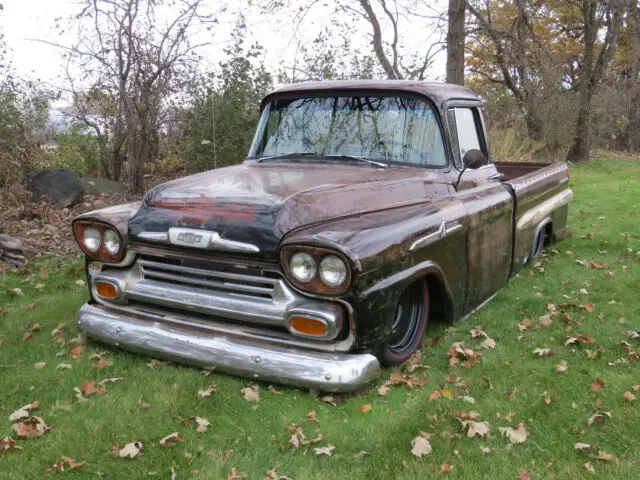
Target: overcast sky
(25, 21)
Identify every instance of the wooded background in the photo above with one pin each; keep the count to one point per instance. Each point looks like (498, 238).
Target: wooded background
(559, 78)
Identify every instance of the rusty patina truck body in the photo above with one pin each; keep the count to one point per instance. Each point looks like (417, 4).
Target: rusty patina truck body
(363, 210)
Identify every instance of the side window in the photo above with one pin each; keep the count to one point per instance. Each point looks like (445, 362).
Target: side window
(464, 130)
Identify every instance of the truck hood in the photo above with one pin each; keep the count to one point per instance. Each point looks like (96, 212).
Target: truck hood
(259, 203)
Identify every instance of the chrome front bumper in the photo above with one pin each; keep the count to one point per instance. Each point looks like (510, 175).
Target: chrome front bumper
(256, 359)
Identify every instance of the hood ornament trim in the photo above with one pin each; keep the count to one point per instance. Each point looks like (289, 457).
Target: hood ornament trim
(192, 237)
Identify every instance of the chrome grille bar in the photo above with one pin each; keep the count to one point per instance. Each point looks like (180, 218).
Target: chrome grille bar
(215, 280)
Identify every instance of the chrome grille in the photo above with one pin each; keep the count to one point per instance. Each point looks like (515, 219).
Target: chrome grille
(221, 279)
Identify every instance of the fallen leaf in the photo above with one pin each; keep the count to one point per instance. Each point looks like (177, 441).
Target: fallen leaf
(142, 403)
(517, 435)
(629, 396)
(203, 424)
(636, 388)
(420, 446)
(72, 463)
(168, 441)
(274, 391)
(102, 363)
(63, 366)
(481, 429)
(446, 468)
(8, 443)
(598, 417)
(524, 475)
(589, 307)
(545, 321)
(597, 385)
(384, 389)
(155, 362)
(206, 392)
(366, 408)
(23, 412)
(602, 455)
(466, 415)
(59, 328)
(485, 450)
(488, 343)
(76, 351)
(589, 467)
(312, 416)
(32, 427)
(88, 387)
(582, 446)
(324, 450)
(40, 365)
(487, 380)
(131, 450)
(235, 475)
(543, 352)
(435, 395)
(447, 393)
(578, 338)
(109, 380)
(562, 367)
(251, 394)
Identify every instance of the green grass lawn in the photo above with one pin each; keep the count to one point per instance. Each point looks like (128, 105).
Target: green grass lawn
(254, 437)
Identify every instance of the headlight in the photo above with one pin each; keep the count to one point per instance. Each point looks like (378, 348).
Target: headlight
(333, 271)
(99, 241)
(111, 241)
(303, 266)
(317, 270)
(92, 239)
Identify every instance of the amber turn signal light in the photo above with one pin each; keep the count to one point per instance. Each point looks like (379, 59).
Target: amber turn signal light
(308, 326)
(106, 290)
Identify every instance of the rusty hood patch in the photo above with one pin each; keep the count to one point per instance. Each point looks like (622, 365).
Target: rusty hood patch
(260, 203)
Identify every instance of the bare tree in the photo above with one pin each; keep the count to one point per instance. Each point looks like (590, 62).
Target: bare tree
(597, 15)
(455, 41)
(135, 52)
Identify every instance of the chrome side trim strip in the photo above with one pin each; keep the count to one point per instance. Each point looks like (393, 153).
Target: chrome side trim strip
(446, 228)
(260, 360)
(533, 216)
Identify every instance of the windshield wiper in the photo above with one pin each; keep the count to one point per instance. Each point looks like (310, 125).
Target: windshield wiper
(358, 159)
(288, 155)
(314, 154)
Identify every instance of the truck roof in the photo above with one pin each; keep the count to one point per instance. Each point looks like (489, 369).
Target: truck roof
(438, 92)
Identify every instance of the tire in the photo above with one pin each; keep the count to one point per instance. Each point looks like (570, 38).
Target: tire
(409, 323)
(538, 244)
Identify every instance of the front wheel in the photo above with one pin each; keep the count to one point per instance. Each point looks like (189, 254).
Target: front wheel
(409, 323)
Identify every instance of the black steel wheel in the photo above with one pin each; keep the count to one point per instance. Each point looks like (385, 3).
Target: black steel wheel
(409, 323)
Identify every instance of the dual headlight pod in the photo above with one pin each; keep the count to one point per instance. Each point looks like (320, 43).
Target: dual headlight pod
(99, 241)
(315, 269)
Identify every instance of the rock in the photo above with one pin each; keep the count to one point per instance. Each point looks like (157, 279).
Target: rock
(57, 187)
(12, 250)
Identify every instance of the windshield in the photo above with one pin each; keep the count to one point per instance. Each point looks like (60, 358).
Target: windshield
(388, 129)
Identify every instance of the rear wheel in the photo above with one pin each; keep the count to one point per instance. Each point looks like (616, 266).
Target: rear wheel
(538, 243)
(409, 323)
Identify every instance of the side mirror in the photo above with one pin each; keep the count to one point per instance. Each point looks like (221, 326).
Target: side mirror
(474, 158)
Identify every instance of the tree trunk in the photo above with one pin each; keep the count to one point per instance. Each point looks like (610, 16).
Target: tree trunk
(455, 42)
(534, 123)
(580, 148)
(633, 128)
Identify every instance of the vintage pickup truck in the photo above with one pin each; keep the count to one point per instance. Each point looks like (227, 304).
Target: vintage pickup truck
(365, 209)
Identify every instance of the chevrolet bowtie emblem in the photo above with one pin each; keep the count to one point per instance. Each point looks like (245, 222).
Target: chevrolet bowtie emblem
(191, 237)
